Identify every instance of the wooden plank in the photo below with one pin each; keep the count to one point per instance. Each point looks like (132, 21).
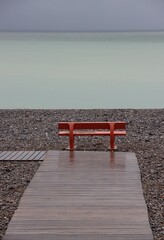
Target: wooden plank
(2, 153)
(40, 156)
(84, 196)
(5, 155)
(34, 155)
(19, 153)
(22, 155)
(94, 236)
(11, 155)
(28, 155)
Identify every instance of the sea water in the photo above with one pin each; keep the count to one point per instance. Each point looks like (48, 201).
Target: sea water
(81, 70)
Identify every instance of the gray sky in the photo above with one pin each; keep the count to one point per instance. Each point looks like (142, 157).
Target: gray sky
(81, 15)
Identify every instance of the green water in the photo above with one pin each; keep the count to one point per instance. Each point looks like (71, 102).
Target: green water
(81, 70)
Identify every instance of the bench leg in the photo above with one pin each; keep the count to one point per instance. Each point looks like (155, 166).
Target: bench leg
(71, 137)
(71, 146)
(112, 138)
(112, 145)
(71, 143)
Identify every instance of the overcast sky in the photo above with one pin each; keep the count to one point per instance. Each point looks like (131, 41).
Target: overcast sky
(81, 15)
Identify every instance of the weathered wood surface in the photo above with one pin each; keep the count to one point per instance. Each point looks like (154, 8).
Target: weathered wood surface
(22, 155)
(83, 196)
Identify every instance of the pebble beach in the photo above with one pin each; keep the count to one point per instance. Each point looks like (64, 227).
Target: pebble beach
(37, 130)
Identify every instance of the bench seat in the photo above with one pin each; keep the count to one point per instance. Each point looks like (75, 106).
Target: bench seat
(93, 133)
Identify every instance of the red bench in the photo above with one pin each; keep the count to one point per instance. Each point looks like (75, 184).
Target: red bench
(72, 129)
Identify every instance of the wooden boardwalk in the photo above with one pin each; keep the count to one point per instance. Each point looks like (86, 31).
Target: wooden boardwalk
(83, 196)
(22, 155)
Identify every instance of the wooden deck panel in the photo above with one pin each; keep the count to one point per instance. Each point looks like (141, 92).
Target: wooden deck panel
(83, 196)
(22, 155)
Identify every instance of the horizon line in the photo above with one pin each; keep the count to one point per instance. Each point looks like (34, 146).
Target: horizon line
(81, 31)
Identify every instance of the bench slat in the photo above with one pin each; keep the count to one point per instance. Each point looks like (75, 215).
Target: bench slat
(81, 133)
(91, 125)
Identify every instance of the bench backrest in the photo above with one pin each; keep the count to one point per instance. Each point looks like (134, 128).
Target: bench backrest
(91, 125)
(119, 125)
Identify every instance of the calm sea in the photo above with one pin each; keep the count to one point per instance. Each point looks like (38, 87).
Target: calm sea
(81, 70)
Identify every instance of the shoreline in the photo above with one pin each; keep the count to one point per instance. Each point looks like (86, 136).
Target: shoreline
(37, 130)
